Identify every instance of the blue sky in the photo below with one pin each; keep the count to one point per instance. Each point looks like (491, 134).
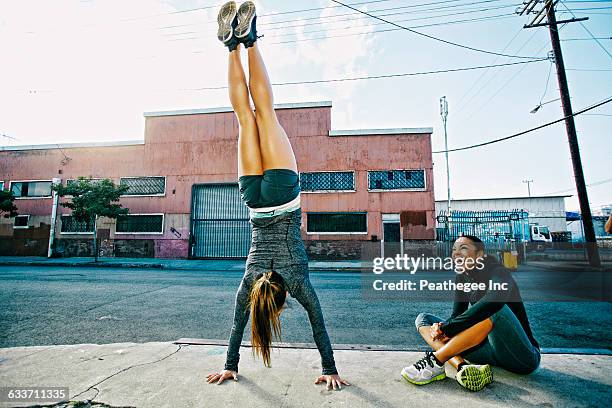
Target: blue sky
(76, 71)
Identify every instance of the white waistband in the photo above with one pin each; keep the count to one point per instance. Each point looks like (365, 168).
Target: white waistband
(290, 205)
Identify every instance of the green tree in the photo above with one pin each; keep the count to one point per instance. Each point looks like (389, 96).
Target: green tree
(92, 199)
(7, 205)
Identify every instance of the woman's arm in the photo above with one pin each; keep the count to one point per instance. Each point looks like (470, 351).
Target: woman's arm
(305, 294)
(241, 318)
(487, 306)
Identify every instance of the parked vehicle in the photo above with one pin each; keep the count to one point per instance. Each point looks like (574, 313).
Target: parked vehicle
(539, 233)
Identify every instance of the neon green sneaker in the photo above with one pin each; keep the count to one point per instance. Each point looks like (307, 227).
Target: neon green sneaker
(475, 377)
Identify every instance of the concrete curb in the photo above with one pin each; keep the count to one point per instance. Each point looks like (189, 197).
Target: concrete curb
(376, 347)
(88, 264)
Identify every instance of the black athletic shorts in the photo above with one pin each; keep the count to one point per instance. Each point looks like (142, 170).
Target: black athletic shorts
(274, 187)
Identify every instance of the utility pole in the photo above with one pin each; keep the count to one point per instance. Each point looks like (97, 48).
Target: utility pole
(444, 114)
(548, 11)
(528, 186)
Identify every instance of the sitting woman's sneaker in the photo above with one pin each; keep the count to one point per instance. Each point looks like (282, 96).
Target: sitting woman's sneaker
(474, 377)
(424, 371)
(227, 24)
(246, 30)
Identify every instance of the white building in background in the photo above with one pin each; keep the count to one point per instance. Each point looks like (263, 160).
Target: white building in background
(543, 210)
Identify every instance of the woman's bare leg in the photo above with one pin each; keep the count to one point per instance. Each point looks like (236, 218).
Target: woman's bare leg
(438, 344)
(276, 150)
(249, 153)
(465, 340)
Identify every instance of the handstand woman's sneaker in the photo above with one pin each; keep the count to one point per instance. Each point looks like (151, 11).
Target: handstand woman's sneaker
(474, 377)
(424, 371)
(227, 25)
(246, 31)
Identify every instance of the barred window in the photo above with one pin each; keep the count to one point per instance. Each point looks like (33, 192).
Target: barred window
(70, 224)
(31, 188)
(142, 223)
(327, 181)
(337, 222)
(21, 221)
(144, 185)
(396, 180)
(72, 181)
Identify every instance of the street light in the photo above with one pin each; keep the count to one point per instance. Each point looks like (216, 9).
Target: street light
(444, 114)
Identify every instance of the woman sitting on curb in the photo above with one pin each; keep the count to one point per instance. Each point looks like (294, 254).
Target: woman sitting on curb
(486, 327)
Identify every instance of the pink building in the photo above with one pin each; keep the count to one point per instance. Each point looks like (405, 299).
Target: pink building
(183, 192)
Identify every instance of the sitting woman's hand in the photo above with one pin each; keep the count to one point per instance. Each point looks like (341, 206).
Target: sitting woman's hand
(222, 376)
(333, 380)
(437, 334)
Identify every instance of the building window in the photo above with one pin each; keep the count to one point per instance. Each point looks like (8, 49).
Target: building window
(337, 223)
(28, 189)
(327, 181)
(396, 180)
(21, 221)
(140, 224)
(1, 185)
(71, 225)
(72, 181)
(144, 185)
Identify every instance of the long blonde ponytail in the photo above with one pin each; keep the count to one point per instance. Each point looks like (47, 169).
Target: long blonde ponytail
(266, 298)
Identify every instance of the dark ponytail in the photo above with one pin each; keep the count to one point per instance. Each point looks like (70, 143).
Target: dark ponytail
(266, 299)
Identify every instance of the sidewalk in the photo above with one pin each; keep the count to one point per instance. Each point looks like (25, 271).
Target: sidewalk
(164, 374)
(164, 263)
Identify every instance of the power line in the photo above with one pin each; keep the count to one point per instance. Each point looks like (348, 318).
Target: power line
(177, 12)
(588, 69)
(496, 17)
(547, 81)
(482, 87)
(589, 31)
(259, 16)
(460, 12)
(353, 13)
(319, 81)
(482, 105)
(407, 20)
(596, 183)
(605, 101)
(432, 37)
(355, 17)
(587, 39)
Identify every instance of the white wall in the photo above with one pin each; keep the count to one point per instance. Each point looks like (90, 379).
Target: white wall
(548, 211)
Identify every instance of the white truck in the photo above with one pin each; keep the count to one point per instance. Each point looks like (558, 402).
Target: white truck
(539, 233)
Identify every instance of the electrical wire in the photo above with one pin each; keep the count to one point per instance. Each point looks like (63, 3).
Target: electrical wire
(484, 85)
(589, 31)
(379, 76)
(596, 183)
(360, 17)
(496, 17)
(433, 37)
(596, 105)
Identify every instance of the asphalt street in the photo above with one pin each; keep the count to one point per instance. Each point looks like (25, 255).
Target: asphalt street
(59, 305)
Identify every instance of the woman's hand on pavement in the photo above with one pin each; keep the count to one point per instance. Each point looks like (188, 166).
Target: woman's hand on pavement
(333, 381)
(222, 376)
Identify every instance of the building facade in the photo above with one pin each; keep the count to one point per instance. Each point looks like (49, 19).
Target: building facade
(183, 193)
